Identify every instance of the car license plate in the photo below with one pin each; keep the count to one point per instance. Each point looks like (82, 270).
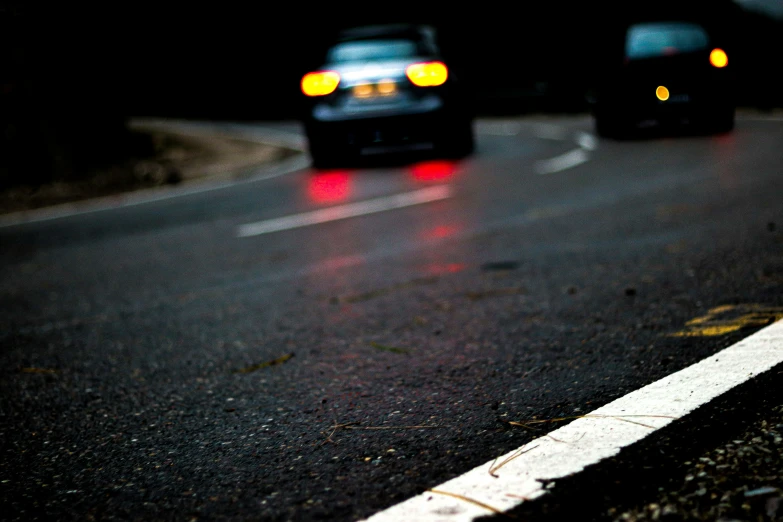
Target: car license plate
(374, 92)
(679, 98)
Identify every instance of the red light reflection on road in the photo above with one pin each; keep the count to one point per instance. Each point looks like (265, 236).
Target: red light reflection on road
(440, 232)
(336, 263)
(436, 170)
(729, 176)
(444, 268)
(329, 187)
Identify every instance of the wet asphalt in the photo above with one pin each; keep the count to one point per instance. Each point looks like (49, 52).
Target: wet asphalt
(153, 365)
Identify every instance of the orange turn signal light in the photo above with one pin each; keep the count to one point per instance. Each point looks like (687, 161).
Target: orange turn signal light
(427, 74)
(387, 87)
(363, 90)
(662, 93)
(320, 83)
(719, 58)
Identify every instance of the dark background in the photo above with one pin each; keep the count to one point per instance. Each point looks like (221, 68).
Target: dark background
(72, 75)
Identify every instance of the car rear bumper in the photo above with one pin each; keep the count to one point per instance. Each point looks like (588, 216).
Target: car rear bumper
(421, 130)
(348, 112)
(685, 105)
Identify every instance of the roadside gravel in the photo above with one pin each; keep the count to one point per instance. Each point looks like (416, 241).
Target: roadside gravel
(739, 480)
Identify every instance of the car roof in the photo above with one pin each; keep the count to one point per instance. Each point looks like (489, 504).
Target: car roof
(386, 31)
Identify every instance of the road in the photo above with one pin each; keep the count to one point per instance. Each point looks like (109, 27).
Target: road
(241, 352)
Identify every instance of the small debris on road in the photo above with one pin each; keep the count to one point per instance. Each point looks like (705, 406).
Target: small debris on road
(273, 362)
(385, 348)
(475, 296)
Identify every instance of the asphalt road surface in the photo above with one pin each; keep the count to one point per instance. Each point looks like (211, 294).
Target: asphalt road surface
(242, 353)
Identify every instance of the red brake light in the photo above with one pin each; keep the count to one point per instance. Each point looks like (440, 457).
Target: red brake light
(719, 58)
(320, 83)
(427, 74)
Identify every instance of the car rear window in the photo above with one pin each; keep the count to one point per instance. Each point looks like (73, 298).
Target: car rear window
(371, 50)
(661, 39)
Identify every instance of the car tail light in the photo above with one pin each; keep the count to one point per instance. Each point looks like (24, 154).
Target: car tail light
(719, 58)
(662, 93)
(320, 83)
(427, 74)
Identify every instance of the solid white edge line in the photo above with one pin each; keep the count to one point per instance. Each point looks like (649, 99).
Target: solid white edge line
(596, 436)
(360, 208)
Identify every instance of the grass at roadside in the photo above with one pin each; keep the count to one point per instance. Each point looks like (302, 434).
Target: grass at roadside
(161, 159)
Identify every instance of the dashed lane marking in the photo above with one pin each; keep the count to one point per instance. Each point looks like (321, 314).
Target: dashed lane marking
(586, 142)
(425, 195)
(564, 161)
(506, 482)
(547, 131)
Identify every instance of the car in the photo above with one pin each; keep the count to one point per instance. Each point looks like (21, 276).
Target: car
(670, 74)
(384, 89)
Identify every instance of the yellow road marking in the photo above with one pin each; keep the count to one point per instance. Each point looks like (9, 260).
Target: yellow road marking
(730, 318)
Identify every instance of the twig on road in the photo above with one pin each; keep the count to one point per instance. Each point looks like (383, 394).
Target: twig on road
(273, 362)
(472, 501)
(493, 468)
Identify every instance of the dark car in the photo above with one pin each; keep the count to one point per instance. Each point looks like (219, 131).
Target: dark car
(385, 89)
(670, 74)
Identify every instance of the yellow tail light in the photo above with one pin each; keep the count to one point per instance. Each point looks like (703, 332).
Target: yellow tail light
(719, 58)
(427, 74)
(320, 83)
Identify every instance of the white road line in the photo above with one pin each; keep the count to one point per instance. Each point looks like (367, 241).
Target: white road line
(564, 161)
(586, 140)
(596, 436)
(361, 208)
(570, 159)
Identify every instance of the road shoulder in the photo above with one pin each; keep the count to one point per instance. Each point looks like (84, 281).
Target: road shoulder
(171, 160)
